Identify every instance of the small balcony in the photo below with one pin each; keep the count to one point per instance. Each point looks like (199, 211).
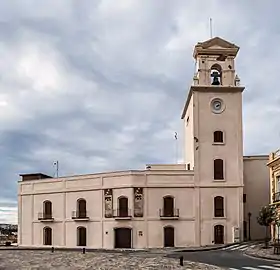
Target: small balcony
(169, 214)
(45, 217)
(122, 214)
(80, 216)
(276, 197)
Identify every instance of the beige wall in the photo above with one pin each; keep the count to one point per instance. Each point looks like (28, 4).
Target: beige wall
(232, 199)
(256, 188)
(64, 193)
(190, 201)
(188, 136)
(230, 122)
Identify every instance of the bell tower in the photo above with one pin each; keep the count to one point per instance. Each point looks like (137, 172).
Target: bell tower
(215, 63)
(213, 137)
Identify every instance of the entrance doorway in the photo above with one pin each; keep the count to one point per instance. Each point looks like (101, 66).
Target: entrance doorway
(47, 236)
(122, 238)
(169, 236)
(219, 234)
(245, 230)
(82, 236)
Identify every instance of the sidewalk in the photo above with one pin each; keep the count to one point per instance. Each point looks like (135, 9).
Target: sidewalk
(262, 253)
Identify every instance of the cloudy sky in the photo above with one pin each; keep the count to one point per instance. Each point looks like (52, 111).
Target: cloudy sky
(100, 85)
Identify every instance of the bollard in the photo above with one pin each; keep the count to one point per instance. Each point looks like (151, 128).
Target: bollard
(84, 250)
(52, 249)
(181, 260)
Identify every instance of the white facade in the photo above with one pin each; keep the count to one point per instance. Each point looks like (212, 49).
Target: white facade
(197, 203)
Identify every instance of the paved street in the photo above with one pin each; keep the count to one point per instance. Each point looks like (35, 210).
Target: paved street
(64, 260)
(232, 258)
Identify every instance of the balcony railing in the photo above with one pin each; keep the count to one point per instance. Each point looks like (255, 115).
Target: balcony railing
(169, 214)
(122, 214)
(45, 217)
(276, 197)
(80, 215)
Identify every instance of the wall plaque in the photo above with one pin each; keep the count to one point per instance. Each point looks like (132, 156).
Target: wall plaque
(108, 200)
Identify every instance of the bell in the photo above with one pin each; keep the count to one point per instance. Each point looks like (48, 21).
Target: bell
(216, 81)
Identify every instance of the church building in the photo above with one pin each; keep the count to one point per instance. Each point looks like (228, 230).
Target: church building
(212, 198)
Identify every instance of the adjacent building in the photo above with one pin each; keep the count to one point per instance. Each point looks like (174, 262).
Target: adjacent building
(274, 172)
(210, 199)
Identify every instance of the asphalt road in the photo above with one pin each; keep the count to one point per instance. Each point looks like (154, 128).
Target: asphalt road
(228, 259)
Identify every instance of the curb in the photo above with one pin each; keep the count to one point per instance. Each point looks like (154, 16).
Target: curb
(209, 248)
(199, 249)
(262, 257)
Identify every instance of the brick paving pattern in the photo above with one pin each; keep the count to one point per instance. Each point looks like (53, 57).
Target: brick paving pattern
(45, 260)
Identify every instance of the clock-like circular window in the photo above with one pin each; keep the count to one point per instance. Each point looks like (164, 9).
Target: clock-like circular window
(217, 105)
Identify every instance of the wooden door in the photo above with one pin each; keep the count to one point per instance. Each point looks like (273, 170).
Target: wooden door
(47, 236)
(82, 236)
(122, 238)
(219, 234)
(169, 237)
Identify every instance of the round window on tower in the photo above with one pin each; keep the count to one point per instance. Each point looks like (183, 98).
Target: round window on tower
(217, 105)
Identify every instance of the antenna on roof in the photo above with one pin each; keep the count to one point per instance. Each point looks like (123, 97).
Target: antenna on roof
(210, 25)
(56, 164)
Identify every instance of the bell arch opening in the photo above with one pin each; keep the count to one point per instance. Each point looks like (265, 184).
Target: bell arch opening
(216, 74)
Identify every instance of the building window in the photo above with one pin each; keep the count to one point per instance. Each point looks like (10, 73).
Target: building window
(47, 209)
(168, 206)
(47, 235)
(188, 166)
(278, 183)
(218, 206)
(81, 208)
(244, 198)
(218, 169)
(218, 136)
(123, 207)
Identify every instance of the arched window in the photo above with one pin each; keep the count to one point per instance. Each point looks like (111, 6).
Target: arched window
(168, 206)
(218, 169)
(216, 74)
(81, 236)
(219, 206)
(218, 136)
(82, 208)
(47, 209)
(47, 236)
(123, 207)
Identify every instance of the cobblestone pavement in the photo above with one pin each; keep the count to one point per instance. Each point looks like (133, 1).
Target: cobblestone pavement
(260, 251)
(44, 260)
